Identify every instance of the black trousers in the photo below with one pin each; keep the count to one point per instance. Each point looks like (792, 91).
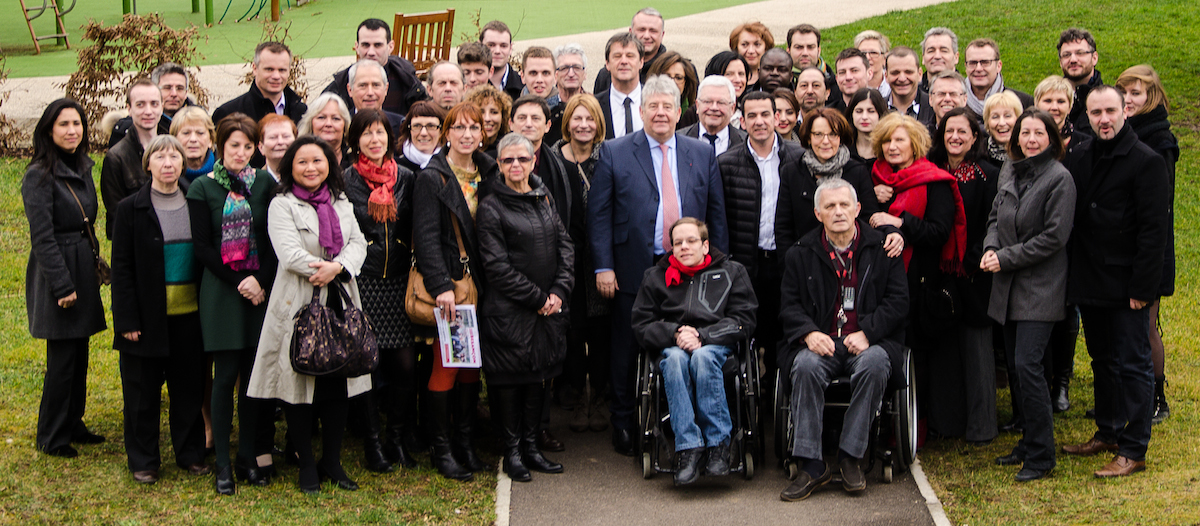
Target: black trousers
(64, 393)
(1026, 343)
(767, 332)
(141, 384)
(1118, 339)
(624, 361)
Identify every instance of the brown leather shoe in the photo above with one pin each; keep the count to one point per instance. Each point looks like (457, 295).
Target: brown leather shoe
(145, 477)
(1120, 467)
(1089, 448)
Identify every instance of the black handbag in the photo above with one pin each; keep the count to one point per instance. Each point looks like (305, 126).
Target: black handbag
(324, 344)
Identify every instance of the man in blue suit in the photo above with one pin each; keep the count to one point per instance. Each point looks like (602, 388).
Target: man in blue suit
(645, 181)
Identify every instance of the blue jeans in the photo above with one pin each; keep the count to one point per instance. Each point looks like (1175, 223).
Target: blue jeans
(696, 395)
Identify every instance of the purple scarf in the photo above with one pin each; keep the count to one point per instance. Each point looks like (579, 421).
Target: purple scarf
(329, 229)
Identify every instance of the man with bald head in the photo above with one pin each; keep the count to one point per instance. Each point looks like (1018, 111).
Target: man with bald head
(649, 28)
(446, 84)
(374, 42)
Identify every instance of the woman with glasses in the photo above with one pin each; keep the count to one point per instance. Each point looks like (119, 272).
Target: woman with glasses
(496, 107)
(681, 70)
(445, 198)
(875, 45)
(528, 258)
(418, 141)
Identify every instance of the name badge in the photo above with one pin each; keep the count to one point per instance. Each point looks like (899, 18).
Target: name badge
(848, 298)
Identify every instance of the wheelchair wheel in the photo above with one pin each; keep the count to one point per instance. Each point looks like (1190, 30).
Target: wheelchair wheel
(647, 466)
(781, 420)
(748, 470)
(887, 473)
(906, 417)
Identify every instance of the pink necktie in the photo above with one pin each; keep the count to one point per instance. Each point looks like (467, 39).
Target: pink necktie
(670, 202)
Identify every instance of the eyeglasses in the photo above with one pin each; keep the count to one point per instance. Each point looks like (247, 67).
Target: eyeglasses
(426, 127)
(713, 102)
(972, 64)
(946, 94)
(509, 160)
(818, 137)
(574, 68)
(871, 53)
(474, 128)
(678, 78)
(1081, 53)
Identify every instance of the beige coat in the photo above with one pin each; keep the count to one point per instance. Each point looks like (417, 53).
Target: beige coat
(292, 226)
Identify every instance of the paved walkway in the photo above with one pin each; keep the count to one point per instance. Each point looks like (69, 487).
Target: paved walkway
(601, 487)
(698, 37)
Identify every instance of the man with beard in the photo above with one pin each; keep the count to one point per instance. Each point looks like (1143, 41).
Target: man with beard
(571, 68)
(775, 70)
(811, 91)
(903, 73)
(1077, 56)
(715, 102)
(853, 73)
(648, 27)
(939, 52)
(983, 72)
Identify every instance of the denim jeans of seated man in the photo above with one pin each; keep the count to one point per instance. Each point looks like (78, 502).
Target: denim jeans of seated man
(811, 374)
(696, 376)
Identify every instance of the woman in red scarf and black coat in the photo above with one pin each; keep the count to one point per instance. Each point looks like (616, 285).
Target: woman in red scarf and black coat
(923, 201)
(381, 192)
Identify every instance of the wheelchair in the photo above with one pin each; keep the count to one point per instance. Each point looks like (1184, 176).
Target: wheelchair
(898, 409)
(656, 443)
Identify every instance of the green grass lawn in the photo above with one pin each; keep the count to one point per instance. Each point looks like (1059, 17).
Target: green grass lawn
(321, 28)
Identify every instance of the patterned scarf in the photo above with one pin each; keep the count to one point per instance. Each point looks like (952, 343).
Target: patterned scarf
(238, 249)
(831, 168)
(966, 172)
(381, 180)
(1068, 128)
(996, 150)
(329, 228)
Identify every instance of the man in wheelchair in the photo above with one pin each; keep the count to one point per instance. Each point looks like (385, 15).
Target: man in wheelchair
(843, 309)
(695, 305)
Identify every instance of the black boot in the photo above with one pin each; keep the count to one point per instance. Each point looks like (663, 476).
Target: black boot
(1161, 410)
(1060, 394)
(506, 417)
(531, 421)
(398, 403)
(464, 417)
(440, 454)
(367, 409)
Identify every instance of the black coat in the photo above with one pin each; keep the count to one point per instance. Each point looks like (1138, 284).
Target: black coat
(139, 288)
(797, 190)
(1154, 130)
(121, 175)
(926, 281)
(719, 302)
(436, 197)
(554, 176)
(1078, 114)
(975, 288)
(527, 256)
(389, 252)
(257, 106)
(743, 197)
(1121, 224)
(810, 297)
(404, 89)
(60, 256)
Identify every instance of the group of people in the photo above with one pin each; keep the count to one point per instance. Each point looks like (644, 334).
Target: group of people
(836, 213)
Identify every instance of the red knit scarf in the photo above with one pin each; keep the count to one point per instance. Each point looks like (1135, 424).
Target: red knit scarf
(910, 196)
(677, 268)
(380, 179)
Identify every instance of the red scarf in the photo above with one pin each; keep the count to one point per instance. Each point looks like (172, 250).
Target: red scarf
(380, 179)
(910, 196)
(677, 268)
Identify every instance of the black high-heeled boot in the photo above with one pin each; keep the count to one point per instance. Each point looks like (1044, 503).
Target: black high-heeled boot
(506, 413)
(440, 453)
(223, 481)
(531, 420)
(464, 418)
(368, 413)
(397, 406)
(247, 470)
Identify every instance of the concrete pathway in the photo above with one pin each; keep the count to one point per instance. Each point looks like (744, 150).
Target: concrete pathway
(697, 37)
(601, 487)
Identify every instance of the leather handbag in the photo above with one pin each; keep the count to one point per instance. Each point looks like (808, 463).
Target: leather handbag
(419, 304)
(324, 344)
(103, 272)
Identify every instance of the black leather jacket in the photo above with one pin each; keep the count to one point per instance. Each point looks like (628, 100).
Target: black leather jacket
(389, 244)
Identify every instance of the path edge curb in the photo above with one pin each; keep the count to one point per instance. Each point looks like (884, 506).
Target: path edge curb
(931, 499)
(504, 496)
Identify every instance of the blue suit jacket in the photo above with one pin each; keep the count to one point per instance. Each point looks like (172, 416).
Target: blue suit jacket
(623, 203)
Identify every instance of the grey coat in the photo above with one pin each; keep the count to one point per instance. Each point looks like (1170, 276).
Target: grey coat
(60, 255)
(1029, 232)
(293, 227)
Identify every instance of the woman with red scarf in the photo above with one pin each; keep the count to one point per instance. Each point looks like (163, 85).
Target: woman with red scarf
(381, 192)
(923, 201)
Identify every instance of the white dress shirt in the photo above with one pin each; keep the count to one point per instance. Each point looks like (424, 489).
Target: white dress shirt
(616, 101)
(768, 171)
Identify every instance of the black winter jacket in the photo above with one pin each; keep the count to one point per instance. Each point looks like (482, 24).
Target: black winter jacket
(1154, 130)
(797, 190)
(743, 197)
(389, 244)
(975, 289)
(121, 175)
(139, 287)
(1121, 223)
(718, 301)
(404, 89)
(437, 196)
(810, 297)
(527, 256)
